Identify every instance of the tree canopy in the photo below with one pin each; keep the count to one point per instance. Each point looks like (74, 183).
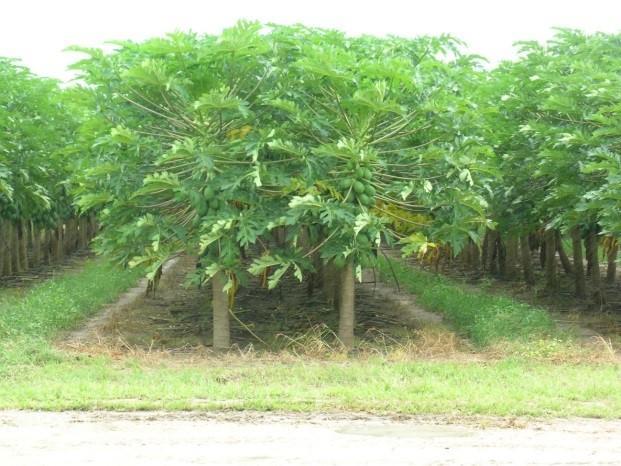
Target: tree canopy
(268, 150)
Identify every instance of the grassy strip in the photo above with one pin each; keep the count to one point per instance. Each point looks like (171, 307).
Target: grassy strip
(499, 388)
(29, 319)
(482, 317)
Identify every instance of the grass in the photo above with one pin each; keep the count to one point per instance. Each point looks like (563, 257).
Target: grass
(35, 375)
(30, 318)
(483, 318)
(503, 388)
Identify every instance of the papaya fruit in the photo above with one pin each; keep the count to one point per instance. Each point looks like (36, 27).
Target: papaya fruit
(365, 200)
(209, 193)
(358, 187)
(344, 184)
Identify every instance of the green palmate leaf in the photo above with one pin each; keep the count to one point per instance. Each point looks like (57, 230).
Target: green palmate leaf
(288, 106)
(275, 277)
(220, 100)
(375, 100)
(244, 39)
(306, 201)
(288, 147)
(362, 221)
(88, 202)
(263, 262)
(158, 183)
(122, 135)
(149, 72)
(267, 262)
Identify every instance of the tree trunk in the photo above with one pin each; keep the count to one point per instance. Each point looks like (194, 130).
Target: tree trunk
(36, 245)
(475, 257)
(220, 305)
(83, 234)
(48, 254)
(491, 254)
(89, 229)
(470, 257)
(527, 263)
(579, 277)
(92, 227)
(510, 269)
(53, 245)
(7, 262)
(14, 246)
(534, 241)
(550, 260)
(68, 237)
(490, 257)
(331, 284)
(346, 305)
(501, 255)
(589, 256)
(565, 262)
(304, 242)
(58, 247)
(611, 271)
(484, 251)
(71, 236)
(316, 276)
(23, 243)
(596, 282)
(279, 235)
(542, 255)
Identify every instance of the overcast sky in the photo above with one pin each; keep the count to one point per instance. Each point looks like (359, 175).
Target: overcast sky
(38, 31)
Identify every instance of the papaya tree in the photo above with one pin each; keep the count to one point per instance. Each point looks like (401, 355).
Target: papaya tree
(580, 77)
(37, 125)
(379, 134)
(209, 145)
(179, 162)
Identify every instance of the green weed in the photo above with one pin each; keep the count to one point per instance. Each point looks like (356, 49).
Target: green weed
(29, 319)
(482, 317)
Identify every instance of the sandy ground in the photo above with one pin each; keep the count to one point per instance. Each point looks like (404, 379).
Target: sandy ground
(155, 438)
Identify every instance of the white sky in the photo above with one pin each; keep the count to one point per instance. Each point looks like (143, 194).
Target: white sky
(38, 31)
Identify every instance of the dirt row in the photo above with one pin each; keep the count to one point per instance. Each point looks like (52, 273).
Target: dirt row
(177, 316)
(177, 319)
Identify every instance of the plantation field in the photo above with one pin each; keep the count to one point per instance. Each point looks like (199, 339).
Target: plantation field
(424, 368)
(290, 317)
(289, 234)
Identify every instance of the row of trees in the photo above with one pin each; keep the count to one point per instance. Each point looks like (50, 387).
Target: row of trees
(552, 118)
(38, 223)
(272, 150)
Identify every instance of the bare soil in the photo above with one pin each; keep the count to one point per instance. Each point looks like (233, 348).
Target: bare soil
(157, 438)
(178, 317)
